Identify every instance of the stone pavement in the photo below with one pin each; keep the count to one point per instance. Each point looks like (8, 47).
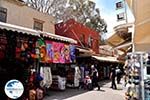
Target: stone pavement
(106, 93)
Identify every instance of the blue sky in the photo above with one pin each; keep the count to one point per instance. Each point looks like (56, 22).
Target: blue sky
(108, 13)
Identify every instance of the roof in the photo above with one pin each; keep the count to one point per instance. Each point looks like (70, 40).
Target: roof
(29, 31)
(19, 29)
(122, 39)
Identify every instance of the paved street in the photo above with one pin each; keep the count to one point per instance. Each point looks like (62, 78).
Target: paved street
(105, 93)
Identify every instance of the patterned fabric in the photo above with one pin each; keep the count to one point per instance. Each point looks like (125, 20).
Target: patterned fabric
(49, 50)
(42, 49)
(57, 50)
(67, 53)
(72, 53)
(45, 72)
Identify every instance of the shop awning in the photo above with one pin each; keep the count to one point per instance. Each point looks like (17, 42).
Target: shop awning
(58, 37)
(122, 39)
(29, 31)
(18, 29)
(107, 59)
(124, 45)
(115, 40)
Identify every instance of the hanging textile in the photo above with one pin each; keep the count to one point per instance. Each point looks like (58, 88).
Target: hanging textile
(66, 53)
(72, 53)
(62, 60)
(45, 72)
(3, 44)
(77, 76)
(49, 50)
(42, 48)
(57, 50)
(41, 42)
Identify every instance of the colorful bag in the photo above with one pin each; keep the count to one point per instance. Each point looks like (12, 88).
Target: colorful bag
(39, 94)
(32, 94)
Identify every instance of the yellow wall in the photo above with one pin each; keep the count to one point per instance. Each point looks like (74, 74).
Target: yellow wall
(141, 11)
(24, 16)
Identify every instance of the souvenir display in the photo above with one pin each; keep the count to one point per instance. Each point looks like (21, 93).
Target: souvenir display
(133, 74)
(59, 83)
(138, 78)
(39, 94)
(50, 52)
(29, 59)
(72, 53)
(45, 72)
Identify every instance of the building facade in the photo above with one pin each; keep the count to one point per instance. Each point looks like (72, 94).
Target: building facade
(141, 12)
(86, 37)
(18, 13)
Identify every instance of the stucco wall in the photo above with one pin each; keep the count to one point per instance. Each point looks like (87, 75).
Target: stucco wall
(141, 11)
(24, 16)
(73, 29)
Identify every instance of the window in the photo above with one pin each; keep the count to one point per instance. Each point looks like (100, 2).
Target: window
(119, 5)
(38, 25)
(3, 14)
(121, 16)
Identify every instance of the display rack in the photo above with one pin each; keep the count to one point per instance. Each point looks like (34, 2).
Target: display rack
(135, 73)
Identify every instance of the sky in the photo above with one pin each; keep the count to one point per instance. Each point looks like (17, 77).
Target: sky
(109, 14)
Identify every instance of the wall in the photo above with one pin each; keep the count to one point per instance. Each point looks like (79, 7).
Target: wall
(24, 16)
(141, 11)
(73, 29)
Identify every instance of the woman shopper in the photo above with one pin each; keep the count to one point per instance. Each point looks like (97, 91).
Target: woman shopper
(94, 75)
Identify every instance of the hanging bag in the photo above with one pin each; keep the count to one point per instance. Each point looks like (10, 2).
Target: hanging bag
(39, 94)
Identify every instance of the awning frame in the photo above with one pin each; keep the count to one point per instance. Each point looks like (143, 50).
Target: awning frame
(25, 30)
(107, 59)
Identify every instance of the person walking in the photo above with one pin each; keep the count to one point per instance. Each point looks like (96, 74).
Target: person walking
(113, 77)
(118, 73)
(94, 75)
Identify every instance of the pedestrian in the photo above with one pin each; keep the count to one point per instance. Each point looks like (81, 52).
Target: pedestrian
(113, 77)
(118, 73)
(94, 75)
(81, 83)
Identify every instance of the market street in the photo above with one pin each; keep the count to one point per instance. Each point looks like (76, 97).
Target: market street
(106, 93)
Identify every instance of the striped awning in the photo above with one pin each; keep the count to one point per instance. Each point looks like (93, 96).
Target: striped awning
(19, 29)
(29, 31)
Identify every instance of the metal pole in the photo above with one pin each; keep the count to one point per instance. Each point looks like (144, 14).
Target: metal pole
(126, 11)
(142, 77)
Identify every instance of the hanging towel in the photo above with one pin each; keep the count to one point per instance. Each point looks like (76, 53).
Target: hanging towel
(45, 72)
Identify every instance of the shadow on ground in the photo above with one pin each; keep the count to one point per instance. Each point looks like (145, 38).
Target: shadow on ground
(69, 92)
(61, 95)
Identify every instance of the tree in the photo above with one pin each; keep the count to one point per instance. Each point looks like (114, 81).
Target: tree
(83, 11)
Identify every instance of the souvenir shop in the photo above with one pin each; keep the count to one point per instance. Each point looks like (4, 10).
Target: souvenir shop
(18, 58)
(103, 65)
(36, 59)
(138, 76)
(59, 57)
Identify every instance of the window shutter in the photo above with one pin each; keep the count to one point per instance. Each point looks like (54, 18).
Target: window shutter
(119, 5)
(121, 16)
